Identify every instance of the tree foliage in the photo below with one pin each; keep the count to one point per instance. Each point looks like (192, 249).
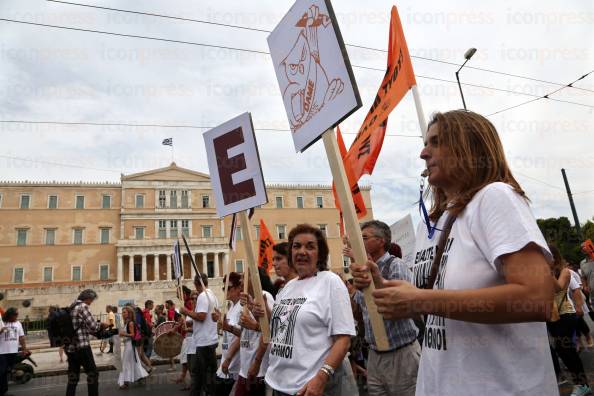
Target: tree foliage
(561, 233)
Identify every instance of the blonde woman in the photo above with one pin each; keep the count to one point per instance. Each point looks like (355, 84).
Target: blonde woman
(132, 369)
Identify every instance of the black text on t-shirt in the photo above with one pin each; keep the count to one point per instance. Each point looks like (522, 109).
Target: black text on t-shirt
(283, 319)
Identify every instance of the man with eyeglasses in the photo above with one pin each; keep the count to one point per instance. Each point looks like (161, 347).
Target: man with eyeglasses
(391, 372)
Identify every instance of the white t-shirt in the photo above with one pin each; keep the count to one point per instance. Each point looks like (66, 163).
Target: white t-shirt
(250, 340)
(305, 316)
(9, 339)
(228, 339)
(204, 333)
(576, 283)
(463, 358)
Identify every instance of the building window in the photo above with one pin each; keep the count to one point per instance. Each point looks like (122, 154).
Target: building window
(207, 231)
(139, 201)
(139, 232)
(186, 228)
(104, 235)
(22, 236)
(76, 272)
(210, 269)
(106, 202)
(50, 236)
(19, 275)
(162, 199)
(324, 230)
(173, 229)
(257, 228)
(281, 232)
(300, 202)
(205, 201)
(320, 201)
(173, 199)
(48, 274)
(239, 266)
(25, 201)
(52, 202)
(185, 203)
(103, 272)
(162, 229)
(238, 234)
(77, 238)
(80, 202)
(279, 202)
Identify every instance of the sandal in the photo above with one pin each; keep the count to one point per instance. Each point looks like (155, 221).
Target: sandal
(186, 388)
(123, 387)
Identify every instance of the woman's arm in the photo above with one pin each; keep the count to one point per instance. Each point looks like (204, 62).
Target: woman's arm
(562, 283)
(527, 295)
(337, 352)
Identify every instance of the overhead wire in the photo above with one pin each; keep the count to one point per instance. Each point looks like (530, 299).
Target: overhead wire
(152, 14)
(547, 96)
(260, 52)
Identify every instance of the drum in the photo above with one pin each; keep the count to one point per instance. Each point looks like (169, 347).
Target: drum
(167, 343)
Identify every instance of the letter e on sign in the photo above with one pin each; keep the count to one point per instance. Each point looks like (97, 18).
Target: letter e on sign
(234, 165)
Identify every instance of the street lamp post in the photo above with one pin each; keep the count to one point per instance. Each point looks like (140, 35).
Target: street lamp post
(467, 55)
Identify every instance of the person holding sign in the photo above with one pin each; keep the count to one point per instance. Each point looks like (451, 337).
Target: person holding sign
(481, 271)
(229, 369)
(203, 363)
(403, 355)
(253, 352)
(311, 322)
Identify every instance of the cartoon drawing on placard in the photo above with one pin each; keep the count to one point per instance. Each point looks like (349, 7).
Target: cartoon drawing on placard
(309, 88)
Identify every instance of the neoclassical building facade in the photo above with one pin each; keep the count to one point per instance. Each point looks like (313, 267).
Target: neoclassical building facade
(55, 234)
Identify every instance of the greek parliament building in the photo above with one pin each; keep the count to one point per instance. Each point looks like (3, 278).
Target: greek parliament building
(56, 238)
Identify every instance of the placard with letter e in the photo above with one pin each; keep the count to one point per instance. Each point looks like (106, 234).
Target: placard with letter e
(238, 185)
(319, 90)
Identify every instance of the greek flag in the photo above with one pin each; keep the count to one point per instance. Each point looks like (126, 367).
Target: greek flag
(177, 265)
(167, 142)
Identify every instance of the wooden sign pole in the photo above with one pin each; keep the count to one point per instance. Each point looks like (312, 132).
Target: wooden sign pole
(254, 274)
(354, 232)
(227, 272)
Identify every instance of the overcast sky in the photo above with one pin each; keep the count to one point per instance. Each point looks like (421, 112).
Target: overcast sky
(64, 75)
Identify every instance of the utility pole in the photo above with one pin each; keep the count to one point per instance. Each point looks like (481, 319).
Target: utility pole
(575, 216)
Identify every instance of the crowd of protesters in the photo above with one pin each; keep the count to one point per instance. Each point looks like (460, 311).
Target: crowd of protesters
(473, 314)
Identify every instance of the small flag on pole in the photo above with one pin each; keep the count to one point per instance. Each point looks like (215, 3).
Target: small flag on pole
(232, 241)
(177, 265)
(265, 245)
(167, 142)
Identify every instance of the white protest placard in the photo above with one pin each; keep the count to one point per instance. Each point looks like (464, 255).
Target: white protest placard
(403, 233)
(234, 165)
(313, 71)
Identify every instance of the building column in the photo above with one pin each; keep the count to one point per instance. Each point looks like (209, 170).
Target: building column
(168, 267)
(192, 270)
(143, 273)
(216, 264)
(131, 268)
(120, 269)
(226, 263)
(156, 274)
(222, 227)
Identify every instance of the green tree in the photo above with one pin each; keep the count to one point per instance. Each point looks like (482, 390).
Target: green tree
(561, 233)
(588, 230)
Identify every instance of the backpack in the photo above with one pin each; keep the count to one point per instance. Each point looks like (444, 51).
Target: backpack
(141, 323)
(60, 329)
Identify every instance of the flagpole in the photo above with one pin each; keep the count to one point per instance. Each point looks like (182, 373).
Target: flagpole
(354, 230)
(420, 113)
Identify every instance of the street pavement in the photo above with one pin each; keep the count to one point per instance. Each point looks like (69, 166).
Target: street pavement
(160, 382)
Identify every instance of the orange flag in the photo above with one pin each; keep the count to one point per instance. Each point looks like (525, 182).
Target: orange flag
(399, 78)
(265, 248)
(355, 191)
(588, 248)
